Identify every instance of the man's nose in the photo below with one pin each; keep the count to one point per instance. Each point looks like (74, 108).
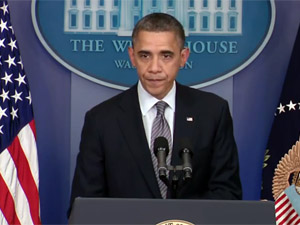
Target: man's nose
(155, 65)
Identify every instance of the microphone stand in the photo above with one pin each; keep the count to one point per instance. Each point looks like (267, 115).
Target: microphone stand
(161, 150)
(173, 183)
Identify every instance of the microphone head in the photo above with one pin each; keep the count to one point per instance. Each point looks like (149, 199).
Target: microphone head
(185, 145)
(161, 144)
(186, 154)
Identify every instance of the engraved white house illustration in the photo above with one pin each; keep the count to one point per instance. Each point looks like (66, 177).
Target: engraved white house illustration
(118, 17)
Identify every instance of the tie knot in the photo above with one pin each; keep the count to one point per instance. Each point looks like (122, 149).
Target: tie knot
(161, 106)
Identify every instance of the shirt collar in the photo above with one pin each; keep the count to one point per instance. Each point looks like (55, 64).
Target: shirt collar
(147, 101)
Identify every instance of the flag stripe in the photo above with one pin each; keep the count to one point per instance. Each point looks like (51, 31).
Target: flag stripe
(280, 198)
(292, 220)
(282, 216)
(27, 141)
(7, 204)
(287, 209)
(297, 221)
(33, 129)
(2, 218)
(287, 217)
(285, 212)
(25, 176)
(9, 175)
(280, 206)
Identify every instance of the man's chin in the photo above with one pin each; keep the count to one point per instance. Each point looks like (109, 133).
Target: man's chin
(156, 92)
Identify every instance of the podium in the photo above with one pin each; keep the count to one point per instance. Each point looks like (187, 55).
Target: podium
(153, 211)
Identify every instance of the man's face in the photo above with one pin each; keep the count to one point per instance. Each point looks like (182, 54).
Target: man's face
(157, 57)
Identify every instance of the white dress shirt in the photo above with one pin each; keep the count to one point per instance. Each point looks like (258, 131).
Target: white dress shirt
(148, 109)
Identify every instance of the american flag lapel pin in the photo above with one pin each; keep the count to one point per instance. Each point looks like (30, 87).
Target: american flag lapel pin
(189, 119)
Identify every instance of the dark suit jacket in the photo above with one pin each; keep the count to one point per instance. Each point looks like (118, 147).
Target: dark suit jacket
(114, 158)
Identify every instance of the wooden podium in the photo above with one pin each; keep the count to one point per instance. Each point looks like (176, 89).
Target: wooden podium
(154, 211)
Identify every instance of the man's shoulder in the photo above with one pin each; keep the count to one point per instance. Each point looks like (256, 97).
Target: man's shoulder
(110, 105)
(192, 94)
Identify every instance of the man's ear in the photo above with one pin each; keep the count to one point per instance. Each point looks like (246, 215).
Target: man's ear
(185, 53)
(131, 55)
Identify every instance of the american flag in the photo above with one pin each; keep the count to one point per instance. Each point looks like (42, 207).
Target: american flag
(286, 125)
(284, 134)
(19, 172)
(285, 211)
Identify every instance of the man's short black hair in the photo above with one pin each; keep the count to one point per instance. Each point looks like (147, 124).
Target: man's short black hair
(159, 22)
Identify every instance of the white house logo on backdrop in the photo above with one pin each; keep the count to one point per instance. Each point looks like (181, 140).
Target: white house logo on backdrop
(119, 18)
(91, 37)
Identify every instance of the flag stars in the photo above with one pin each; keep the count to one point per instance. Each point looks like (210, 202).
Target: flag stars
(2, 112)
(2, 43)
(10, 61)
(281, 108)
(20, 63)
(17, 96)
(13, 113)
(12, 30)
(12, 44)
(3, 25)
(4, 8)
(29, 98)
(21, 79)
(6, 78)
(4, 95)
(291, 106)
(1, 132)
(288, 107)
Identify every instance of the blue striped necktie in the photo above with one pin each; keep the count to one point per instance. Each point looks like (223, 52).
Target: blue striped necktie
(160, 127)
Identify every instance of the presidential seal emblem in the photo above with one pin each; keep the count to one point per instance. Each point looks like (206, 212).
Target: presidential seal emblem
(91, 37)
(175, 222)
(288, 166)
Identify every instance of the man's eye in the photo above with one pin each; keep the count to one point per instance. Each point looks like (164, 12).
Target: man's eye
(167, 56)
(144, 56)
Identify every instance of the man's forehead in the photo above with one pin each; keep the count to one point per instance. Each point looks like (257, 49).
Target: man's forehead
(165, 39)
(159, 36)
(146, 32)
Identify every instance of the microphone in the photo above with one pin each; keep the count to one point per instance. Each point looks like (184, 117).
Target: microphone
(161, 150)
(186, 155)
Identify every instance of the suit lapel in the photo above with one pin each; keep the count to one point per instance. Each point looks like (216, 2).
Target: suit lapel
(185, 122)
(131, 124)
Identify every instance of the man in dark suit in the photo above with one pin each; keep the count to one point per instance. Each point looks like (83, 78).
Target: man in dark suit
(115, 149)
